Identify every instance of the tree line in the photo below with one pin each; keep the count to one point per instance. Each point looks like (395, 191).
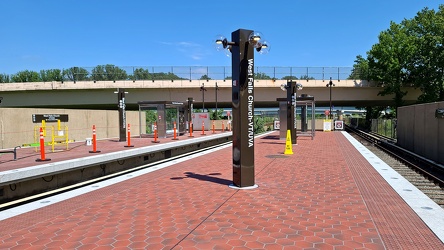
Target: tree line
(106, 72)
(109, 72)
(408, 54)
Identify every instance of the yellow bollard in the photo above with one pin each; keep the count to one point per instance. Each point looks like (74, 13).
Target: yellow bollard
(44, 127)
(288, 147)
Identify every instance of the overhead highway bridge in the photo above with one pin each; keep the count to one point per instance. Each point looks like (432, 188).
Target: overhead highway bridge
(101, 94)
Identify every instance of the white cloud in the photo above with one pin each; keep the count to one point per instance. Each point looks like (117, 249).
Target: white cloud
(191, 50)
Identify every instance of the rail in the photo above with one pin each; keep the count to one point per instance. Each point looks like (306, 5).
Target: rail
(116, 73)
(430, 169)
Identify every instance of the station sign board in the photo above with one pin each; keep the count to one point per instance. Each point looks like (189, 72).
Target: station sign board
(339, 125)
(38, 118)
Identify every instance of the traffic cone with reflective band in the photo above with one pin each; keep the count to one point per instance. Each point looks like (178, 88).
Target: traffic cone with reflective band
(155, 133)
(42, 147)
(94, 141)
(213, 128)
(129, 138)
(203, 128)
(288, 146)
(175, 131)
(191, 130)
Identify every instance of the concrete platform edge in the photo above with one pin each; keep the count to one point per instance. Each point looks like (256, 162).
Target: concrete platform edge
(54, 167)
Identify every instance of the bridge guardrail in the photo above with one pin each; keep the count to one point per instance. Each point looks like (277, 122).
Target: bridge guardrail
(115, 73)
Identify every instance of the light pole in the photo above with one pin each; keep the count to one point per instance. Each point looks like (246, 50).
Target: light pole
(216, 89)
(190, 112)
(330, 85)
(242, 47)
(121, 106)
(203, 89)
(292, 93)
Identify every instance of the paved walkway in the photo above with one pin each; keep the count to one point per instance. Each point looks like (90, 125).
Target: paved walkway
(324, 196)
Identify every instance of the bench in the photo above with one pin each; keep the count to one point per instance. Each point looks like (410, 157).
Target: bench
(14, 151)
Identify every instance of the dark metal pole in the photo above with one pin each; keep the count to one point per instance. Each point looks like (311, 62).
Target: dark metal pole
(216, 99)
(291, 107)
(330, 101)
(330, 85)
(122, 114)
(190, 112)
(243, 108)
(203, 89)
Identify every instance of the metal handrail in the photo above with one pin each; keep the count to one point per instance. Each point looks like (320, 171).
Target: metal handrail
(117, 73)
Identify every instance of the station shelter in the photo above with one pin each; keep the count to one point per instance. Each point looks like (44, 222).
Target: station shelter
(305, 106)
(167, 113)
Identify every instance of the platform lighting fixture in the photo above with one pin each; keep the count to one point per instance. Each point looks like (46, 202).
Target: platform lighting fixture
(216, 89)
(121, 106)
(203, 89)
(255, 38)
(241, 50)
(330, 84)
(292, 93)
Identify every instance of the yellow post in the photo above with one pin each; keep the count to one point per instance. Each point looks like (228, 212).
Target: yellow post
(58, 125)
(44, 127)
(288, 147)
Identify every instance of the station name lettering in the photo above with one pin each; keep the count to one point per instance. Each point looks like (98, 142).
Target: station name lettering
(250, 103)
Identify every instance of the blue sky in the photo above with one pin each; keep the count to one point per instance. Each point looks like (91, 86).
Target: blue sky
(52, 34)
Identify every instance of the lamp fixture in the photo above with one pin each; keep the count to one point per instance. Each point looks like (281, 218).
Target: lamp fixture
(255, 38)
(284, 86)
(299, 86)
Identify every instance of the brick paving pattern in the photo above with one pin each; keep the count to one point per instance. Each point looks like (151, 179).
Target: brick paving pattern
(324, 196)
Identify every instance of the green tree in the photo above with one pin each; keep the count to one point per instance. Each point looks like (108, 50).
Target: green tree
(216, 115)
(4, 78)
(166, 76)
(261, 76)
(389, 61)
(51, 75)
(259, 124)
(108, 72)
(204, 77)
(75, 74)
(360, 69)
(151, 117)
(26, 76)
(289, 78)
(427, 66)
(408, 54)
(141, 74)
(306, 77)
(171, 114)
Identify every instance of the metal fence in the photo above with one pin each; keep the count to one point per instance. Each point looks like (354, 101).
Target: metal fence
(385, 127)
(224, 72)
(116, 73)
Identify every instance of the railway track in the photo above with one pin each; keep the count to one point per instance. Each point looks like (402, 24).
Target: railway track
(426, 175)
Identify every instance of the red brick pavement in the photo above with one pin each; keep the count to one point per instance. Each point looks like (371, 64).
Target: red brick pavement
(324, 196)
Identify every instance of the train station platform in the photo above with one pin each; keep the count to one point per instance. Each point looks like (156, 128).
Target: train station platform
(332, 193)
